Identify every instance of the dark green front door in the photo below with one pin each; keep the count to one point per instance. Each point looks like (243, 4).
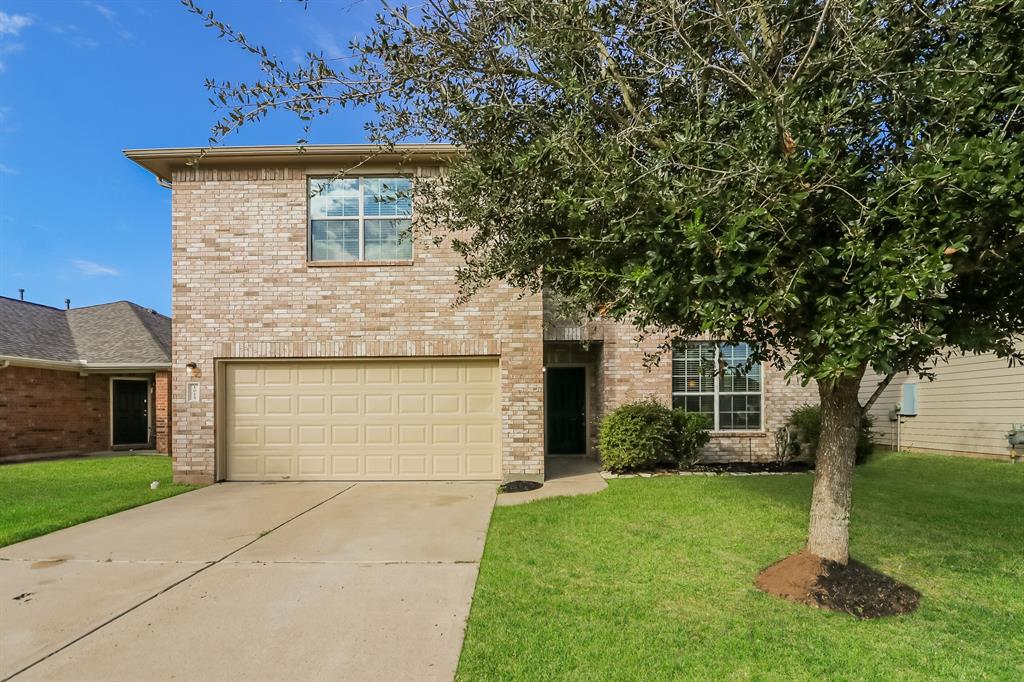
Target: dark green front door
(567, 410)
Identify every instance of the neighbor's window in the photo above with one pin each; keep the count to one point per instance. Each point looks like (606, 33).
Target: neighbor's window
(360, 219)
(713, 378)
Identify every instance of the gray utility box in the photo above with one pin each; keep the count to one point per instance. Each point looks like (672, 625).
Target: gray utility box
(1016, 435)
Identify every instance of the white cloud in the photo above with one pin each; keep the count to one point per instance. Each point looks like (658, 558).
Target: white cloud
(11, 24)
(93, 269)
(7, 170)
(102, 9)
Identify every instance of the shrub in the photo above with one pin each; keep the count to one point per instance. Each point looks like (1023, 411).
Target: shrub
(644, 434)
(637, 436)
(691, 434)
(807, 421)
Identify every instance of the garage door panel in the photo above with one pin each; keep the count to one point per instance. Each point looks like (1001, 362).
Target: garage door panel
(363, 419)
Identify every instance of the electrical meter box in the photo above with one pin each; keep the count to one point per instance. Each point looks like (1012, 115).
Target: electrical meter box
(908, 406)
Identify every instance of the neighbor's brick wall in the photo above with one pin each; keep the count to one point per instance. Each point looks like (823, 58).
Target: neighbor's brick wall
(162, 412)
(242, 287)
(623, 378)
(46, 411)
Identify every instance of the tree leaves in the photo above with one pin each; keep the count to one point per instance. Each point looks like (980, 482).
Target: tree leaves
(837, 187)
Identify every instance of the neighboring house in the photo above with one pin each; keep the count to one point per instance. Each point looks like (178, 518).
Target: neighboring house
(968, 408)
(82, 380)
(317, 344)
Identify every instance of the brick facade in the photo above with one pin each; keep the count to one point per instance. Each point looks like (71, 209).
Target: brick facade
(61, 412)
(243, 288)
(629, 368)
(48, 412)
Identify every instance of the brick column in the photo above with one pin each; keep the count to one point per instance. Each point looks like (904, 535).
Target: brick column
(163, 412)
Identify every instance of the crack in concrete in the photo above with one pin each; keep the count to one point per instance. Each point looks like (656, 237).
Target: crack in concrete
(172, 585)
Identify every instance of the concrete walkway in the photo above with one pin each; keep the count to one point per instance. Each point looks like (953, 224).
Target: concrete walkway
(278, 581)
(564, 476)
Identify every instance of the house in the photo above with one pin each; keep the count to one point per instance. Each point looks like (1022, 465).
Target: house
(82, 380)
(311, 341)
(968, 409)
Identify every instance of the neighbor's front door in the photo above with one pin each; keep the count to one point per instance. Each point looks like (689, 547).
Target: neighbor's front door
(566, 410)
(131, 412)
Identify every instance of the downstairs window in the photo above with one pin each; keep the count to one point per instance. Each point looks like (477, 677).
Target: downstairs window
(714, 378)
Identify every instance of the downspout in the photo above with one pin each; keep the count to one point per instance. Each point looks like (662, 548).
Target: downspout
(5, 364)
(166, 184)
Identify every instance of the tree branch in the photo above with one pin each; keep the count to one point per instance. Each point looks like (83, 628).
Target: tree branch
(878, 392)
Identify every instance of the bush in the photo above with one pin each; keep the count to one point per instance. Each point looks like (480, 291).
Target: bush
(807, 421)
(691, 434)
(644, 434)
(637, 436)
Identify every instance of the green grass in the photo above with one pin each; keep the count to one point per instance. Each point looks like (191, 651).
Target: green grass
(40, 497)
(652, 579)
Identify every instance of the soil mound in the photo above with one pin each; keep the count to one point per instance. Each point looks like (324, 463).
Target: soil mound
(855, 588)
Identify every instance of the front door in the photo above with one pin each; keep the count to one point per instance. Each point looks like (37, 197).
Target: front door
(566, 410)
(131, 412)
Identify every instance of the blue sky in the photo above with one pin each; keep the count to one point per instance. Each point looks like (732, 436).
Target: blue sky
(82, 80)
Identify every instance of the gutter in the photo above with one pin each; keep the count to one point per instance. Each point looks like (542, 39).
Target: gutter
(80, 365)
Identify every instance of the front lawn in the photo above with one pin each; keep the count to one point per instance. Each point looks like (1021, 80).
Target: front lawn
(653, 579)
(40, 497)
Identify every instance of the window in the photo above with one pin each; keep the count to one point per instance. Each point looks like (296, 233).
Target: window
(360, 219)
(730, 396)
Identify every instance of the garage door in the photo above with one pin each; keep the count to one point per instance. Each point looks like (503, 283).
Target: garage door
(363, 420)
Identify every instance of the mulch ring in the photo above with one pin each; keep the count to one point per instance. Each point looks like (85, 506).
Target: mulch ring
(519, 486)
(853, 588)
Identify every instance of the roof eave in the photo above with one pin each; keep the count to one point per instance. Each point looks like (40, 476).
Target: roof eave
(80, 366)
(162, 162)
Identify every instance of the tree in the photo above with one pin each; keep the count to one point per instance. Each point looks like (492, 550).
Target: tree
(836, 181)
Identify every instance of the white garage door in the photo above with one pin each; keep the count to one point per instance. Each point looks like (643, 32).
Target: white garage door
(363, 420)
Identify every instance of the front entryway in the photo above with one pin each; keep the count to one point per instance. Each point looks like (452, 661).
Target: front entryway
(566, 410)
(130, 411)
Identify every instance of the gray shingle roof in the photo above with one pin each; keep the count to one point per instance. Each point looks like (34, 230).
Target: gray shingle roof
(119, 333)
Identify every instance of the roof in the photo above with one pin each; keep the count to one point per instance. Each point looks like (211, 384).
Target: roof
(119, 334)
(161, 162)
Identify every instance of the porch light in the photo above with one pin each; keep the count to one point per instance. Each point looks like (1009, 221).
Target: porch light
(191, 369)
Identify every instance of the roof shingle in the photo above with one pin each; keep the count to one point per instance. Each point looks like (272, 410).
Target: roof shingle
(119, 333)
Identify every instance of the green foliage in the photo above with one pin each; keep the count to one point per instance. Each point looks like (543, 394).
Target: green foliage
(807, 420)
(644, 434)
(839, 183)
(636, 436)
(41, 497)
(659, 585)
(691, 434)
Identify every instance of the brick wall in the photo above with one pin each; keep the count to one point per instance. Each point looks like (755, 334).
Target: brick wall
(623, 378)
(162, 412)
(242, 287)
(45, 411)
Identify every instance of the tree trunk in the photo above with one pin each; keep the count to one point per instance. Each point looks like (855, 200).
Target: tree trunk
(829, 534)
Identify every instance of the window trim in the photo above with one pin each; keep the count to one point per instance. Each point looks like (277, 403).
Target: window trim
(718, 392)
(360, 219)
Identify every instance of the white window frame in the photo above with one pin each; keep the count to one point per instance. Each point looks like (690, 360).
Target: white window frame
(360, 218)
(718, 392)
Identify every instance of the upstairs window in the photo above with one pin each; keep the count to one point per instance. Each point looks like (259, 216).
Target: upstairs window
(714, 378)
(360, 219)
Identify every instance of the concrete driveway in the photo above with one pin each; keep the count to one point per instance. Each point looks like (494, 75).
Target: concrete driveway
(251, 581)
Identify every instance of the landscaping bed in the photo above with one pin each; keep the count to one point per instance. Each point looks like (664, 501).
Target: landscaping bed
(713, 468)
